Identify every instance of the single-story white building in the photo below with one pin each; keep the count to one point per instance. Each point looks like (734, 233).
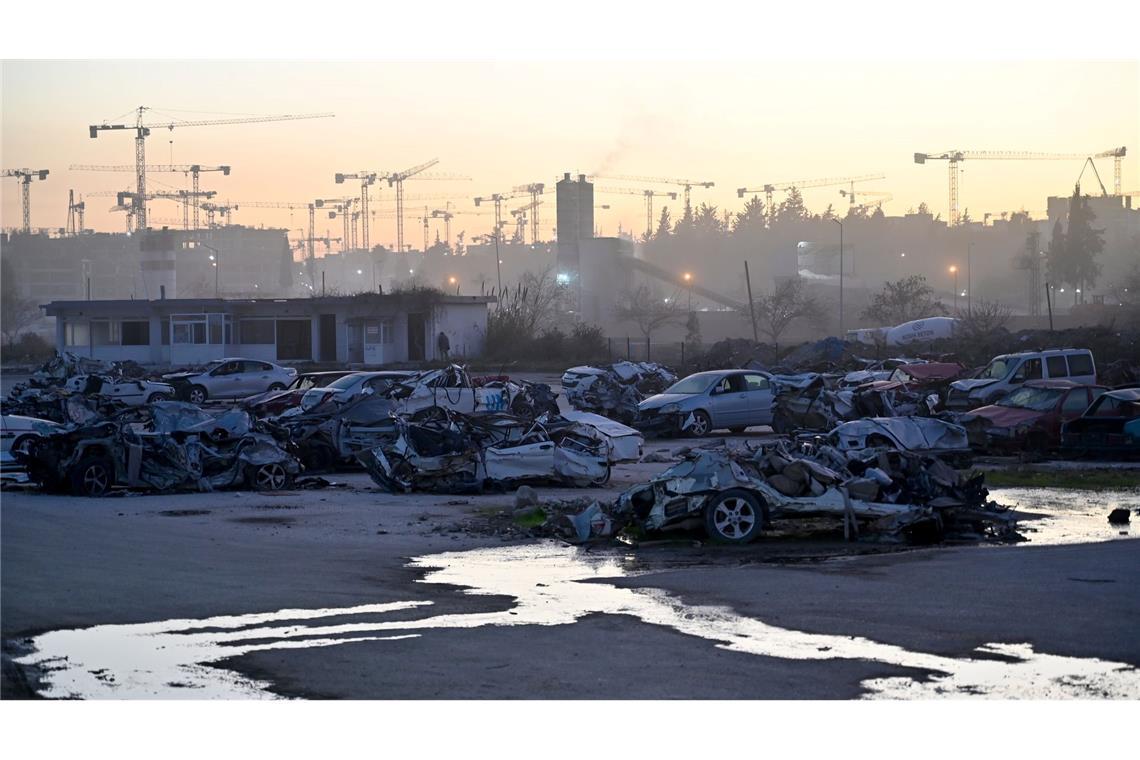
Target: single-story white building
(368, 329)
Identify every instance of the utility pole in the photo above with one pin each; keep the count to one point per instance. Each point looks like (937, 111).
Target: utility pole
(751, 305)
(969, 279)
(842, 332)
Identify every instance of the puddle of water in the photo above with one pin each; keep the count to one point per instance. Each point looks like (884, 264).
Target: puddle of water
(1070, 516)
(173, 658)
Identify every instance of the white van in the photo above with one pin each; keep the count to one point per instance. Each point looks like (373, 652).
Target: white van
(1007, 372)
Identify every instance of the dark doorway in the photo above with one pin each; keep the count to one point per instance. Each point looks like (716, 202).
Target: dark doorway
(328, 337)
(416, 342)
(294, 339)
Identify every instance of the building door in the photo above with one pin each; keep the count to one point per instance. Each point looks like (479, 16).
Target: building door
(417, 340)
(294, 339)
(328, 337)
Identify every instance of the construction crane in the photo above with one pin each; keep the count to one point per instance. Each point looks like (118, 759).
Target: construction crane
(26, 176)
(224, 210)
(956, 157)
(142, 131)
(649, 196)
(877, 198)
(447, 214)
(343, 209)
(534, 189)
(75, 211)
(769, 189)
(366, 178)
(520, 215)
(192, 169)
(687, 184)
(186, 197)
(398, 180)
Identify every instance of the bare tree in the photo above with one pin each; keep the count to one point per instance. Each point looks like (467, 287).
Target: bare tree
(17, 314)
(904, 300)
(649, 310)
(982, 319)
(788, 302)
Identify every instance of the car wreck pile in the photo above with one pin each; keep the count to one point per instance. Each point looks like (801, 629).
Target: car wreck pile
(735, 493)
(615, 390)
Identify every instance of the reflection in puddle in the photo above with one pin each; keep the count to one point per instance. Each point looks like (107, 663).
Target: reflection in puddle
(1069, 516)
(172, 658)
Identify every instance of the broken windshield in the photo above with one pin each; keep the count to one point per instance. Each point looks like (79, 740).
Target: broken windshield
(1037, 399)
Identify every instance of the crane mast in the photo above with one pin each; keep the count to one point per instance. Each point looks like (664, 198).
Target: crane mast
(25, 176)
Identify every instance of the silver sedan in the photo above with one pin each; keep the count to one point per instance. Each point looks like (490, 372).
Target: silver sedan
(730, 398)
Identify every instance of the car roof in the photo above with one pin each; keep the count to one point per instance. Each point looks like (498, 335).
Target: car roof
(1042, 352)
(341, 372)
(1125, 394)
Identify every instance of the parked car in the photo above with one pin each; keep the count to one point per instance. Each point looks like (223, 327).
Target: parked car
(351, 385)
(1009, 371)
(734, 399)
(1110, 427)
(16, 434)
(880, 370)
(129, 392)
(230, 378)
(272, 403)
(1030, 417)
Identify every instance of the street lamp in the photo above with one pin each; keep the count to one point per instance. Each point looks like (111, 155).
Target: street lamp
(841, 331)
(453, 280)
(954, 271)
(215, 259)
(969, 280)
(688, 277)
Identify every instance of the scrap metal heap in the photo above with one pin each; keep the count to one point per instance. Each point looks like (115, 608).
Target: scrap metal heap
(615, 390)
(70, 388)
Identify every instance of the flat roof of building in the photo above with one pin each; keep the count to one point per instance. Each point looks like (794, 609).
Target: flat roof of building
(206, 304)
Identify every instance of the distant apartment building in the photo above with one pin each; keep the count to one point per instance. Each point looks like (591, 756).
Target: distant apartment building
(366, 329)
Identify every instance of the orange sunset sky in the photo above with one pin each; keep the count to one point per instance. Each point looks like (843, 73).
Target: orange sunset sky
(505, 124)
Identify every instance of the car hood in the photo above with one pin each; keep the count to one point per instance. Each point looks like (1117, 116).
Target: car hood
(180, 375)
(1007, 416)
(261, 398)
(661, 399)
(970, 385)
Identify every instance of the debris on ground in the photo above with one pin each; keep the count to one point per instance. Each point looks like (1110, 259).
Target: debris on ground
(1119, 516)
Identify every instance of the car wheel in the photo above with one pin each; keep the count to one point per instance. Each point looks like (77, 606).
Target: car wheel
(734, 516)
(702, 424)
(197, 395)
(268, 477)
(23, 444)
(604, 478)
(93, 476)
(156, 397)
(275, 387)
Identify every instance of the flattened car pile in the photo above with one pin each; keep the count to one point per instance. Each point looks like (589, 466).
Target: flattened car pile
(615, 390)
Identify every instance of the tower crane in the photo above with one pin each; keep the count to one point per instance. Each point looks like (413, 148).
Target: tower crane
(75, 211)
(769, 189)
(687, 184)
(535, 189)
(343, 208)
(224, 210)
(192, 169)
(956, 157)
(447, 214)
(649, 196)
(26, 176)
(877, 198)
(398, 179)
(366, 178)
(142, 131)
(520, 215)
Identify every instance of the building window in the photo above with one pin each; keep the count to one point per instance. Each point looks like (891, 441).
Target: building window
(166, 331)
(78, 334)
(217, 323)
(189, 329)
(257, 332)
(378, 332)
(105, 332)
(136, 333)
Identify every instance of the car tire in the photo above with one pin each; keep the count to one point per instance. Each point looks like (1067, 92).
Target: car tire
(156, 397)
(603, 479)
(268, 477)
(734, 516)
(275, 387)
(197, 394)
(22, 444)
(702, 424)
(93, 476)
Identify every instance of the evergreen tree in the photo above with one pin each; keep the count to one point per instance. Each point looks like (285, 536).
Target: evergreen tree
(753, 217)
(1083, 243)
(792, 208)
(664, 224)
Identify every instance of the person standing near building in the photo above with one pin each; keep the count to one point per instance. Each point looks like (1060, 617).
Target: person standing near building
(444, 346)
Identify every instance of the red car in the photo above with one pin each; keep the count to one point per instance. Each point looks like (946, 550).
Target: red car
(1030, 417)
(272, 403)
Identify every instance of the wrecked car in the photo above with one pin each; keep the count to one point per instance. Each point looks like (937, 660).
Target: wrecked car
(615, 390)
(1029, 418)
(272, 403)
(230, 378)
(456, 453)
(164, 446)
(16, 434)
(914, 435)
(453, 388)
(736, 493)
(352, 384)
(1109, 428)
(706, 401)
(1007, 372)
(875, 370)
(129, 392)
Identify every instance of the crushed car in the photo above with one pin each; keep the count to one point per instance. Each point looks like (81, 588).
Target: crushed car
(615, 390)
(1108, 429)
(913, 435)
(458, 453)
(1029, 418)
(164, 446)
(736, 493)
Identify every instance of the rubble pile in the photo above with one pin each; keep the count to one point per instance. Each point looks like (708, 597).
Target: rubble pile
(615, 390)
(69, 388)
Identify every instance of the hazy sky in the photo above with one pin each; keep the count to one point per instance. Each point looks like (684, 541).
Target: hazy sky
(737, 124)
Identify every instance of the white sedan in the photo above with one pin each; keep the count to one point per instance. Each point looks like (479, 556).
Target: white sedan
(130, 392)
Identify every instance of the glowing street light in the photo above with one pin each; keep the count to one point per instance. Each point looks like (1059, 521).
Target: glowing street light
(954, 271)
(688, 277)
